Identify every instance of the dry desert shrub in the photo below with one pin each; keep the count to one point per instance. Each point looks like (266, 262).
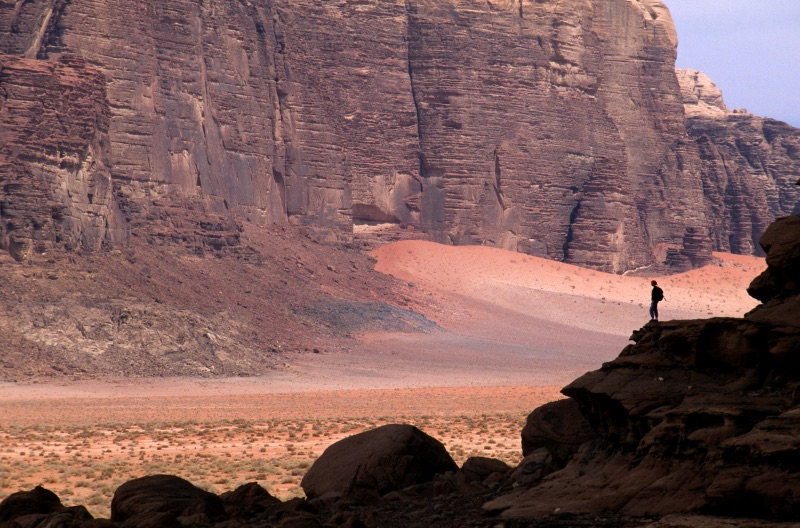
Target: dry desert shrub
(84, 465)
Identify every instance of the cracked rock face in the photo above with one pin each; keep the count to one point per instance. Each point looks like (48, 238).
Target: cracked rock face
(55, 184)
(549, 128)
(747, 163)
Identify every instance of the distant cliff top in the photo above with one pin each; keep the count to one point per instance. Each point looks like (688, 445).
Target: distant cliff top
(701, 97)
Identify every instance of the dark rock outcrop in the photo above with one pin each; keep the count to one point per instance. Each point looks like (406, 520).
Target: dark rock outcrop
(163, 498)
(526, 125)
(696, 416)
(478, 469)
(38, 501)
(781, 279)
(375, 462)
(41, 508)
(558, 427)
(249, 499)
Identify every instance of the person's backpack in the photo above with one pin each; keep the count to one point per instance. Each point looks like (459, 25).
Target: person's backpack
(658, 294)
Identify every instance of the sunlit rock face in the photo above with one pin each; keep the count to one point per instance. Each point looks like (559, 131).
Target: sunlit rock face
(55, 182)
(748, 165)
(550, 128)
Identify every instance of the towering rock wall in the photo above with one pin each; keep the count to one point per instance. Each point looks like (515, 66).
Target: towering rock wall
(541, 131)
(551, 128)
(748, 165)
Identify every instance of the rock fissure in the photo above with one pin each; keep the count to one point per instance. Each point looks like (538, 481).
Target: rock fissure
(414, 95)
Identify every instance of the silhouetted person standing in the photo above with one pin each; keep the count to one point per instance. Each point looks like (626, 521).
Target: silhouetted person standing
(656, 295)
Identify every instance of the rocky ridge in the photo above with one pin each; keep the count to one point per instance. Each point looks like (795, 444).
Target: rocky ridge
(695, 424)
(695, 416)
(551, 128)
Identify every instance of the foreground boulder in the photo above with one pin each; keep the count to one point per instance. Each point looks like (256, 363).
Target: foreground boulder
(248, 499)
(375, 462)
(41, 508)
(558, 427)
(38, 501)
(695, 416)
(478, 469)
(163, 497)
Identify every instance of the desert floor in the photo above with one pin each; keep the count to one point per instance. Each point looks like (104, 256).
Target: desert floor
(512, 330)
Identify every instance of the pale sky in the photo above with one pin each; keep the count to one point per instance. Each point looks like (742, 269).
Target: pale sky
(749, 48)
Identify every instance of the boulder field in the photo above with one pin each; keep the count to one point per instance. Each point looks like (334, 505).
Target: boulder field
(694, 424)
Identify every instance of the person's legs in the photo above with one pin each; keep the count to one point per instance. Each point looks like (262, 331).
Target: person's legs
(654, 310)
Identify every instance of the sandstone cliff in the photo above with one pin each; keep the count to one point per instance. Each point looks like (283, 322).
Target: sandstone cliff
(551, 128)
(748, 165)
(54, 170)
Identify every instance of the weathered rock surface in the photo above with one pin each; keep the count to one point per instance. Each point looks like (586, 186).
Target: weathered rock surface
(55, 185)
(748, 166)
(551, 128)
(695, 417)
(163, 497)
(375, 462)
(558, 427)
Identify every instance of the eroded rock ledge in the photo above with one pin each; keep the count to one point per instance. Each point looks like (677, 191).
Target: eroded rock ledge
(694, 417)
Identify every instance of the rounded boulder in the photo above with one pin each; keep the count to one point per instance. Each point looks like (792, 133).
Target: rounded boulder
(162, 494)
(559, 427)
(376, 462)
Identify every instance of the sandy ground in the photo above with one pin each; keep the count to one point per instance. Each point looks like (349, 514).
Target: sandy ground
(512, 330)
(505, 320)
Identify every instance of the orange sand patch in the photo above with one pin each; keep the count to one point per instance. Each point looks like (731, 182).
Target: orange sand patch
(545, 289)
(207, 401)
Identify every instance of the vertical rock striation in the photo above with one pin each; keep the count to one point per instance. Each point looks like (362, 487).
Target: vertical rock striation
(55, 184)
(550, 128)
(748, 165)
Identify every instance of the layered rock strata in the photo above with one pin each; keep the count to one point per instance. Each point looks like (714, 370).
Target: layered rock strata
(55, 183)
(551, 128)
(748, 165)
